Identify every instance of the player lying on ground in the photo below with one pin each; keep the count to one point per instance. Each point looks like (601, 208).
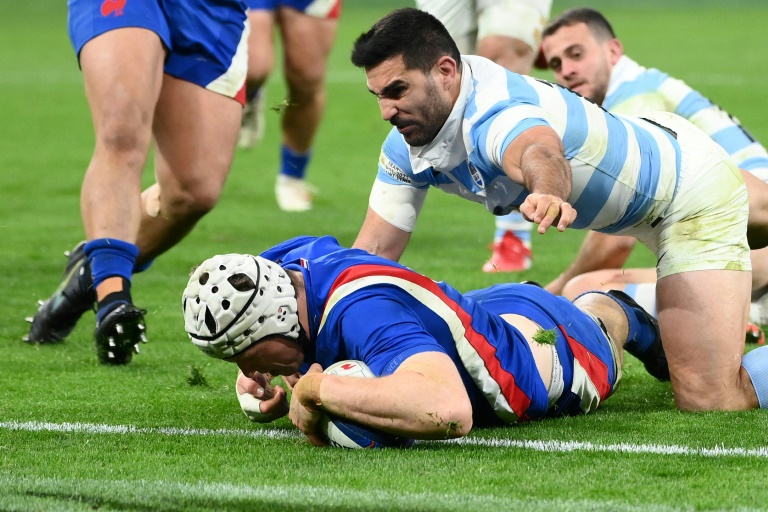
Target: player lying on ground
(489, 357)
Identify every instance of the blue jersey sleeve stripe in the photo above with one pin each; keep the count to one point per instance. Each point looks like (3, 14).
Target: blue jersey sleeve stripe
(641, 85)
(732, 139)
(692, 104)
(575, 135)
(751, 164)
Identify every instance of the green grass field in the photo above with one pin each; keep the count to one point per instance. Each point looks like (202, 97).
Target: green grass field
(75, 435)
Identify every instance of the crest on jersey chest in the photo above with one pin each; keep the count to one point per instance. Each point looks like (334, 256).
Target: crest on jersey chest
(476, 176)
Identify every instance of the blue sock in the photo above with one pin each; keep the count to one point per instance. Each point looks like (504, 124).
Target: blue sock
(755, 362)
(642, 331)
(110, 257)
(144, 266)
(293, 164)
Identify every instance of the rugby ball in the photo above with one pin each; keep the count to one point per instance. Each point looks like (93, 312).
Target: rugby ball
(342, 433)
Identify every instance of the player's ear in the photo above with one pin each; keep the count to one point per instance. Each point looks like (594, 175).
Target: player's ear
(448, 70)
(615, 50)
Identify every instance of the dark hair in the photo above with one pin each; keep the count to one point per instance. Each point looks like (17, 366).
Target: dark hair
(416, 35)
(596, 22)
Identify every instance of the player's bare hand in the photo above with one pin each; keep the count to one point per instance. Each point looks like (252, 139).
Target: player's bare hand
(304, 412)
(548, 210)
(260, 401)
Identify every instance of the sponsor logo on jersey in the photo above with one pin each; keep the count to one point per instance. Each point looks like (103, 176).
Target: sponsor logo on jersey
(476, 176)
(112, 7)
(393, 170)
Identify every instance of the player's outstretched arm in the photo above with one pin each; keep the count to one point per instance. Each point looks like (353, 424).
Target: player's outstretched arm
(535, 159)
(379, 237)
(424, 399)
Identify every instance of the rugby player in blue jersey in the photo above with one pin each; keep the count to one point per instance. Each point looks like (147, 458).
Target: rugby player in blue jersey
(172, 72)
(446, 361)
(470, 127)
(307, 29)
(582, 50)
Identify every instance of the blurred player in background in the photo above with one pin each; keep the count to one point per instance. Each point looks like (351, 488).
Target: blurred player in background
(307, 29)
(173, 71)
(508, 32)
(582, 50)
(447, 361)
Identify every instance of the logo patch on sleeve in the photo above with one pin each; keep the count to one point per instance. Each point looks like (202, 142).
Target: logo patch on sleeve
(395, 172)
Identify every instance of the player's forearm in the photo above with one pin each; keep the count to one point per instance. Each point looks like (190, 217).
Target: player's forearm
(406, 404)
(546, 171)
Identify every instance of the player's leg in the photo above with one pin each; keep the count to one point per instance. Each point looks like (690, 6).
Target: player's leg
(121, 59)
(261, 59)
(195, 129)
(758, 210)
(702, 316)
(628, 280)
(196, 124)
(459, 18)
(509, 31)
(511, 250)
(598, 251)
(307, 41)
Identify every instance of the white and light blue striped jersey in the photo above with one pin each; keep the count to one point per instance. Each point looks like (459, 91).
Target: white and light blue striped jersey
(634, 90)
(624, 170)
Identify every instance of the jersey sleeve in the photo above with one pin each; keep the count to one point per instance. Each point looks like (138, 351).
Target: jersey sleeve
(397, 195)
(506, 119)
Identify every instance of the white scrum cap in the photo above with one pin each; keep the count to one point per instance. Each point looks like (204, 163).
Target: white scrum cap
(234, 300)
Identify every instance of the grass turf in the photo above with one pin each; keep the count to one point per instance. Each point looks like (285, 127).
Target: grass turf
(78, 436)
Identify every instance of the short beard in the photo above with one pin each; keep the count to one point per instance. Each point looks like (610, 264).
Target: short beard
(435, 113)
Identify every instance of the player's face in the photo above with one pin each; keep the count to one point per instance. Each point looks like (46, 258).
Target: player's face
(581, 62)
(274, 354)
(410, 100)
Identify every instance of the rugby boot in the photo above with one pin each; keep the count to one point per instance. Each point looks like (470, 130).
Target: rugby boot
(653, 358)
(119, 333)
(755, 334)
(57, 316)
(253, 123)
(509, 255)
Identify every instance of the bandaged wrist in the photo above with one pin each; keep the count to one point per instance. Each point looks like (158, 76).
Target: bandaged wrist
(310, 392)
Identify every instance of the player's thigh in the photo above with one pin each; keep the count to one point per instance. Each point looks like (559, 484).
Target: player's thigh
(195, 132)
(459, 18)
(122, 72)
(307, 43)
(759, 260)
(516, 19)
(702, 316)
(261, 48)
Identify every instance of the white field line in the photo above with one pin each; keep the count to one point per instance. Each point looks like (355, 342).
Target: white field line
(539, 446)
(146, 493)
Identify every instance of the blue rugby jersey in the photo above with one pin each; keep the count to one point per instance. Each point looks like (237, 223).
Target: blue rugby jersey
(372, 309)
(635, 89)
(625, 170)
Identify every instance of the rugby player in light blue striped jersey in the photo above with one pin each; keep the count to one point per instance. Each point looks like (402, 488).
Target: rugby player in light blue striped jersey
(582, 50)
(474, 129)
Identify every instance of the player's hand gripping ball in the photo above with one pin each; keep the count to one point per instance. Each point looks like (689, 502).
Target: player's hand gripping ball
(344, 433)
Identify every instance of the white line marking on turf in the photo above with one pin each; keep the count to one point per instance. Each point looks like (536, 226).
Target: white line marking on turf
(540, 446)
(576, 446)
(145, 494)
(89, 428)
